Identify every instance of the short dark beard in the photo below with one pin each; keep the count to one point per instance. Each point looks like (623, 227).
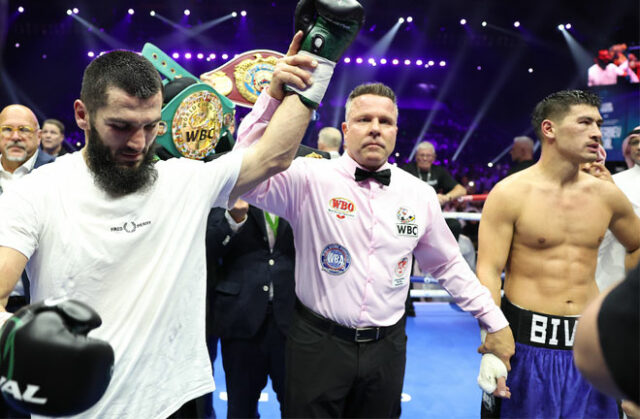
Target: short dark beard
(116, 180)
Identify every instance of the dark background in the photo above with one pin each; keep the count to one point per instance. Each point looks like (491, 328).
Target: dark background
(493, 103)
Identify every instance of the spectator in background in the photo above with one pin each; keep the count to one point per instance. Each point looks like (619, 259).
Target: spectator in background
(19, 155)
(437, 177)
(253, 301)
(604, 71)
(53, 137)
(330, 140)
(611, 254)
(626, 150)
(521, 154)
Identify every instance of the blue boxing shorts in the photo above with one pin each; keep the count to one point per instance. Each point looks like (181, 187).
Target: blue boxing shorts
(544, 381)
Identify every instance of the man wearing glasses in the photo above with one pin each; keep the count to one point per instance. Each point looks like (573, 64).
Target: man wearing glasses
(19, 154)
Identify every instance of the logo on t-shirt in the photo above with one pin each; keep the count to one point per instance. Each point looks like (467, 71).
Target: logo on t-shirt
(335, 259)
(130, 226)
(342, 208)
(406, 226)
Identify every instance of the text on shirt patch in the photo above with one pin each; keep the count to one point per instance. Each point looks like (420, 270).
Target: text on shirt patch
(342, 208)
(406, 226)
(400, 277)
(335, 259)
(130, 226)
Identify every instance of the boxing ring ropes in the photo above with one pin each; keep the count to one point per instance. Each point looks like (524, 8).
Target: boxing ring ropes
(428, 279)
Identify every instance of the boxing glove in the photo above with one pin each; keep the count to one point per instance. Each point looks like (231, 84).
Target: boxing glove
(329, 27)
(48, 364)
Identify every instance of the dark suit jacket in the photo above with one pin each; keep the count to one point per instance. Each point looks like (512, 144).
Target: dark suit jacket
(245, 268)
(43, 158)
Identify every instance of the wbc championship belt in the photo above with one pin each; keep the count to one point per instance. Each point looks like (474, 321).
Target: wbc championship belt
(243, 78)
(197, 117)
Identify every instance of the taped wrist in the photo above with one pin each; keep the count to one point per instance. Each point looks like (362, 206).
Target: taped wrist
(321, 77)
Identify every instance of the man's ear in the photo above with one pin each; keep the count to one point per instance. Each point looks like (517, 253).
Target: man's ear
(548, 129)
(81, 114)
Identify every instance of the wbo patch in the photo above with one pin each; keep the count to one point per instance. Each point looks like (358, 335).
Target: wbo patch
(342, 208)
(335, 259)
(400, 277)
(406, 226)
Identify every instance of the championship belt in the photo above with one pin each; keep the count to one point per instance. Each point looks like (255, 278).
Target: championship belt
(242, 79)
(197, 117)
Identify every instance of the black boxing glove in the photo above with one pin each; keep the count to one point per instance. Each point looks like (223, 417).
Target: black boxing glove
(329, 27)
(48, 365)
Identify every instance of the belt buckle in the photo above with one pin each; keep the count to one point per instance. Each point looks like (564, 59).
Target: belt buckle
(360, 339)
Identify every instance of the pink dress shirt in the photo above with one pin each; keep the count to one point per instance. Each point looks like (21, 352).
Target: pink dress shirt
(354, 239)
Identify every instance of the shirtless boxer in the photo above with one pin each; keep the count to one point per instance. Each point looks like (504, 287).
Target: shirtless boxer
(543, 226)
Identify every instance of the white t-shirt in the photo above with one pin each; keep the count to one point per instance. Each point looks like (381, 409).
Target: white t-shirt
(139, 261)
(610, 268)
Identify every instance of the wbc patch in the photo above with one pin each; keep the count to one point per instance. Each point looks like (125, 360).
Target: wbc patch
(342, 208)
(406, 226)
(400, 277)
(335, 259)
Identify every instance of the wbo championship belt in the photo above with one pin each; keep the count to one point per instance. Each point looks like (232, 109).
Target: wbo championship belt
(198, 114)
(243, 78)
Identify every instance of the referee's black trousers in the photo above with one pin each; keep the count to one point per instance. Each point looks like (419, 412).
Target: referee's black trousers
(328, 376)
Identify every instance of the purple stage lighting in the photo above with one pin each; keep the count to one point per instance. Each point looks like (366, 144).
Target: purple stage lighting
(516, 24)
(75, 11)
(234, 14)
(484, 23)
(91, 54)
(243, 13)
(409, 19)
(69, 12)
(530, 70)
(20, 9)
(187, 12)
(395, 61)
(383, 60)
(152, 13)
(418, 62)
(130, 11)
(187, 55)
(401, 20)
(567, 26)
(443, 63)
(479, 68)
(212, 56)
(225, 56)
(463, 21)
(200, 55)
(359, 60)
(347, 60)
(431, 62)
(407, 62)
(175, 55)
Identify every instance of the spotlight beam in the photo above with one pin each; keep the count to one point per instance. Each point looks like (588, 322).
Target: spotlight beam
(506, 71)
(198, 29)
(108, 39)
(443, 92)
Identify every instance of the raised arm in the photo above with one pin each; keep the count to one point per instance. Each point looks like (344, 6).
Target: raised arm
(12, 264)
(277, 147)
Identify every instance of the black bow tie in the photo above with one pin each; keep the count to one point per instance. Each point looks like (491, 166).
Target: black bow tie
(383, 176)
